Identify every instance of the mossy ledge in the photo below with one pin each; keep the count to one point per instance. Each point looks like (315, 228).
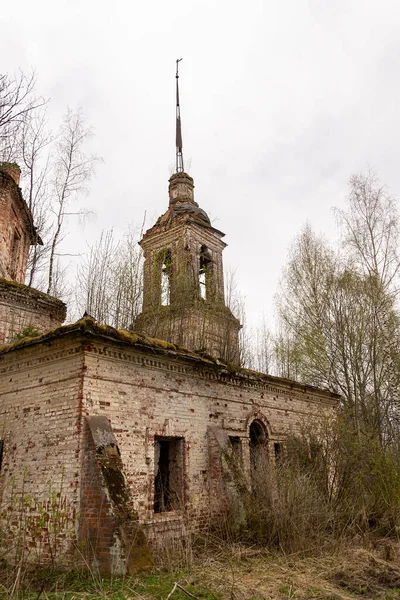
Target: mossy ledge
(87, 327)
(32, 291)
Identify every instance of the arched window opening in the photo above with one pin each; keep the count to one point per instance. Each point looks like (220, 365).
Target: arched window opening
(259, 462)
(166, 270)
(205, 270)
(15, 254)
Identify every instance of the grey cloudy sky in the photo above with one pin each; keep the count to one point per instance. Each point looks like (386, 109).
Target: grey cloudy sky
(281, 101)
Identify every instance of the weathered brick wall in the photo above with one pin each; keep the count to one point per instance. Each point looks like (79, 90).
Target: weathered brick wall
(40, 423)
(16, 230)
(21, 306)
(112, 538)
(147, 396)
(194, 247)
(203, 326)
(46, 390)
(98, 523)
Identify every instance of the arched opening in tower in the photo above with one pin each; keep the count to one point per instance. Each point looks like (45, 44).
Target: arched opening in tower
(166, 270)
(205, 272)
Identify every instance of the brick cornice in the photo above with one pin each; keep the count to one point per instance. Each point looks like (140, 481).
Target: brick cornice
(19, 294)
(158, 354)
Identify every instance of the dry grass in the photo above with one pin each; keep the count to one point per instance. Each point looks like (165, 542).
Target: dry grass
(244, 574)
(235, 572)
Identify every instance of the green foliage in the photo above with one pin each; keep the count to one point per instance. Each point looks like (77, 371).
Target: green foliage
(84, 584)
(27, 332)
(332, 485)
(338, 309)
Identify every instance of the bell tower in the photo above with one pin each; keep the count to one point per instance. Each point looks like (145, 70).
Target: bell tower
(183, 285)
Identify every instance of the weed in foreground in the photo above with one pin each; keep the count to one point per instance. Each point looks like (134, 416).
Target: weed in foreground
(354, 574)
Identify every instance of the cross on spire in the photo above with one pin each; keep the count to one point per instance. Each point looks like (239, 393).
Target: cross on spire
(178, 143)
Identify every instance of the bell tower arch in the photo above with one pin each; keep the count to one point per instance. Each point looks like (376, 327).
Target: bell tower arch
(183, 287)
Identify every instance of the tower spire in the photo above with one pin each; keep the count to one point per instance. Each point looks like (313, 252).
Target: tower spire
(178, 143)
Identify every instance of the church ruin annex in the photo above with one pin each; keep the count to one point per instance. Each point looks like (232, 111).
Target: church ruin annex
(134, 428)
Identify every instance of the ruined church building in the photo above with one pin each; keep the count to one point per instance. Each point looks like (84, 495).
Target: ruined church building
(136, 428)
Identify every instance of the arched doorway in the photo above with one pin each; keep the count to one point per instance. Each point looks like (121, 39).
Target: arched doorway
(259, 461)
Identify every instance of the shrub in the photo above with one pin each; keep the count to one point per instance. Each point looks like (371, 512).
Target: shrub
(331, 484)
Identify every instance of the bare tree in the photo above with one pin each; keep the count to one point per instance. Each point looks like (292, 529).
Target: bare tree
(17, 102)
(263, 348)
(235, 301)
(128, 281)
(94, 290)
(285, 355)
(72, 172)
(372, 229)
(34, 143)
(110, 280)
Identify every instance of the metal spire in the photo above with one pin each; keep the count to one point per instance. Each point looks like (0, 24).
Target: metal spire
(179, 153)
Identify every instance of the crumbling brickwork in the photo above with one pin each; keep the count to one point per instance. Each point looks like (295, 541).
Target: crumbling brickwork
(183, 287)
(40, 407)
(22, 306)
(17, 232)
(134, 435)
(150, 392)
(109, 527)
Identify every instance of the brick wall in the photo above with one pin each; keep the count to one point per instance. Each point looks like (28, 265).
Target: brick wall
(40, 423)
(16, 230)
(98, 525)
(147, 395)
(21, 306)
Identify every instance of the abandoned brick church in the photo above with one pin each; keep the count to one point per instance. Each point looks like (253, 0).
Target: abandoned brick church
(135, 428)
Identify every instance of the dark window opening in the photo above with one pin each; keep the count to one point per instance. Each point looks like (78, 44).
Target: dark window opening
(168, 474)
(1, 453)
(15, 254)
(205, 271)
(166, 270)
(236, 447)
(259, 463)
(278, 452)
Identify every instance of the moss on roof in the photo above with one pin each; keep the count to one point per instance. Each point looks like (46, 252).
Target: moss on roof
(30, 290)
(87, 326)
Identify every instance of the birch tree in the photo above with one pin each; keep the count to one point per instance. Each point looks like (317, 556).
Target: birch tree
(34, 145)
(73, 169)
(340, 312)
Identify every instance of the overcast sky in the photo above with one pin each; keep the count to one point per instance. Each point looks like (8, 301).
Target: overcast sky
(281, 101)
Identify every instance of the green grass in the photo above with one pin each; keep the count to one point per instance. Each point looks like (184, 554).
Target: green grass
(74, 586)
